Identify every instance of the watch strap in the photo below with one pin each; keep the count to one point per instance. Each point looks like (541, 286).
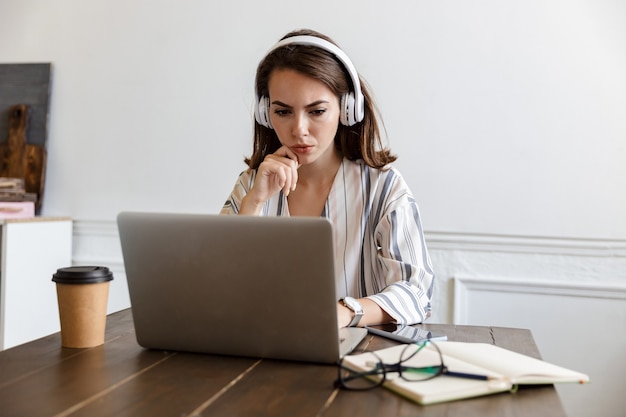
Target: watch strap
(356, 308)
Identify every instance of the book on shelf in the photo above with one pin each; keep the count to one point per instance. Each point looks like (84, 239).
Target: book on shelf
(11, 184)
(17, 209)
(15, 202)
(502, 369)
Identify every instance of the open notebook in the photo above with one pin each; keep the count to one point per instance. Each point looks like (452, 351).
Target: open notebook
(234, 285)
(503, 367)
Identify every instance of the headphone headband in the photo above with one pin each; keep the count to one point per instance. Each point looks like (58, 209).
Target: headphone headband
(352, 104)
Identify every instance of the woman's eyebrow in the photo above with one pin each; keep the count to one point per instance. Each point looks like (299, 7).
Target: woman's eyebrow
(315, 103)
(281, 104)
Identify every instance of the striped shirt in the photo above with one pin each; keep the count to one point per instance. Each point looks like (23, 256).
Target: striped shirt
(380, 250)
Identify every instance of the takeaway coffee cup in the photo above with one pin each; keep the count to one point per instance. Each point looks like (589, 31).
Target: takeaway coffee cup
(82, 293)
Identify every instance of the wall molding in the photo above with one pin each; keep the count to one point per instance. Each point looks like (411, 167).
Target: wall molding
(101, 228)
(88, 231)
(97, 243)
(464, 285)
(526, 244)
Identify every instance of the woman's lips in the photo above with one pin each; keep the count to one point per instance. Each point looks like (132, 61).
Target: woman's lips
(304, 149)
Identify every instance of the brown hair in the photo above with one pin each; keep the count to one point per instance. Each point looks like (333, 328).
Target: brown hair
(360, 141)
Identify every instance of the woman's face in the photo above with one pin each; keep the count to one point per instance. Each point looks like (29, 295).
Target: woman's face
(304, 113)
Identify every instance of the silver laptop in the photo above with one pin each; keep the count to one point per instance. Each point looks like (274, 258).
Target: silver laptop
(234, 285)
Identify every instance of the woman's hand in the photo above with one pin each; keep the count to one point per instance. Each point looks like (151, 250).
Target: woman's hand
(278, 171)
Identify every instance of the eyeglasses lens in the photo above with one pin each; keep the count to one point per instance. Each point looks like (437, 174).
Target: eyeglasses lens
(357, 380)
(419, 362)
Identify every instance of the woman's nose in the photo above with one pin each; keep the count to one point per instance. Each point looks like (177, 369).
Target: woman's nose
(300, 126)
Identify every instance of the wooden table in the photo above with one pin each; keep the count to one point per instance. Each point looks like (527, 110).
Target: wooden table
(122, 379)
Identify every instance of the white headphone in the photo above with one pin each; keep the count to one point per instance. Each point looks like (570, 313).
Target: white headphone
(352, 104)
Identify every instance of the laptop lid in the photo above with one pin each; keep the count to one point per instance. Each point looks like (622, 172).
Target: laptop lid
(234, 285)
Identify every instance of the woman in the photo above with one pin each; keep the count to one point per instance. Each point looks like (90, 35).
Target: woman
(318, 152)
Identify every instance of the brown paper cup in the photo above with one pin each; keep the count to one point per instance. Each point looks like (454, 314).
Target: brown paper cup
(83, 294)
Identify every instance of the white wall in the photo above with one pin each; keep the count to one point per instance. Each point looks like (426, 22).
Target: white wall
(508, 117)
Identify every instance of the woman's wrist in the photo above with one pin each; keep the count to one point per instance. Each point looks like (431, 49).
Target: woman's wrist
(250, 206)
(344, 315)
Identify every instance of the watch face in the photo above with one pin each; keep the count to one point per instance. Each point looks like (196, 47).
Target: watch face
(353, 304)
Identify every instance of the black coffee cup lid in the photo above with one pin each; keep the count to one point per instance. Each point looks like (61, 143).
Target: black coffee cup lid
(82, 275)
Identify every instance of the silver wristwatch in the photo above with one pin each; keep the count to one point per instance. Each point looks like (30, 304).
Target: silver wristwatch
(356, 307)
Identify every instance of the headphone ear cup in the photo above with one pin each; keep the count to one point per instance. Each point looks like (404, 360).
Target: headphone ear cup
(347, 116)
(262, 112)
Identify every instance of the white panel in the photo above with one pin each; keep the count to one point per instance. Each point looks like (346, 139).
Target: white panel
(564, 319)
(32, 252)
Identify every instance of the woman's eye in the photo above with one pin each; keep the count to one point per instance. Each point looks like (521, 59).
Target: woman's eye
(281, 112)
(318, 112)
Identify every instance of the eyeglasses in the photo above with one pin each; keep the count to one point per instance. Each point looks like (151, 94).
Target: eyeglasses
(414, 365)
